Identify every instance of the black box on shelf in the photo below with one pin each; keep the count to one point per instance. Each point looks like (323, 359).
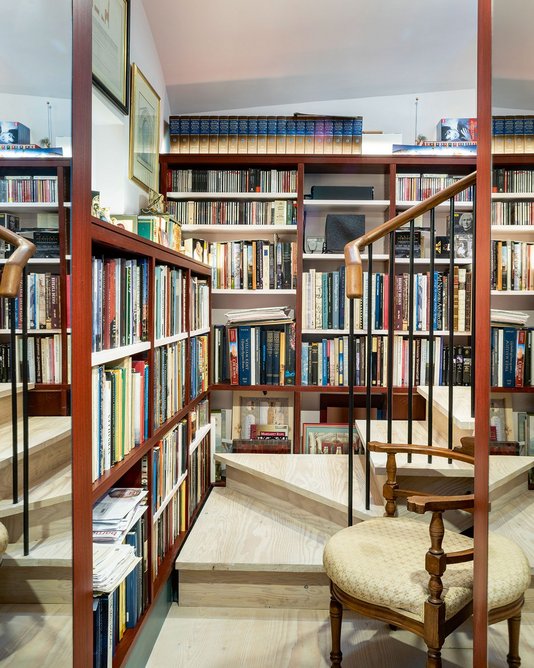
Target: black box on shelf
(342, 192)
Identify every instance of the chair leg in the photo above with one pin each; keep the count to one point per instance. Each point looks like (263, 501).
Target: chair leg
(514, 625)
(433, 658)
(336, 617)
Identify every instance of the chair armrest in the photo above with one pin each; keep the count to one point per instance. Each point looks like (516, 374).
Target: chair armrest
(422, 504)
(389, 448)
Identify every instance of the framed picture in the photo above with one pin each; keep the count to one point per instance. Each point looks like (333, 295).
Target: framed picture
(144, 132)
(111, 50)
(501, 419)
(327, 439)
(256, 416)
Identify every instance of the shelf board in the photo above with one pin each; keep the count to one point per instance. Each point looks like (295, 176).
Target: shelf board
(166, 340)
(200, 435)
(110, 476)
(516, 390)
(168, 498)
(512, 229)
(437, 261)
(268, 197)
(241, 229)
(458, 206)
(378, 332)
(22, 207)
(325, 257)
(38, 260)
(112, 354)
(496, 197)
(254, 388)
(512, 293)
(357, 204)
(34, 332)
(160, 431)
(232, 291)
(199, 332)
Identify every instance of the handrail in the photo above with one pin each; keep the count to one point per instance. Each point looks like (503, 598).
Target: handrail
(353, 261)
(12, 273)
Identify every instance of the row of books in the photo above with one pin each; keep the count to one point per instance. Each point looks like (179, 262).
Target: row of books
(198, 418)
(512, 352)
(200, 303)
(168, 526)
(325, 305)
(512, 213)
(199, 364)
(44, 359)
(43, 305)
(506, 180)
(120, 411)
(254, 265)
(421, 186)
(512, 134)
(169, 463)
(170, 288)
(266, 134)
(325, 363)
(161, 229)
(120, 302)
(29, 188)
(277, 212)
(250, 180)
(255, 355)
(199, 474)
(169, 381)
(512, 265)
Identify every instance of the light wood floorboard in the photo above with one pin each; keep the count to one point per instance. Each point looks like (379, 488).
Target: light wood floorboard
(253, 638)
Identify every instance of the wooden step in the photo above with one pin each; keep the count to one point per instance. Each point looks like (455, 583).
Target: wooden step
(44, 576)
(49, 449)
(50, 508)
(242, 552)
(5, 401)
(515, 520)
(315, 483)
(461, 404)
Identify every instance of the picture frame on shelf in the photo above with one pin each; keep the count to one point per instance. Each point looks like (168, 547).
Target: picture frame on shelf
(501, 419)
(111, 50)
(259, 415)
(144, 132)
(327, 439)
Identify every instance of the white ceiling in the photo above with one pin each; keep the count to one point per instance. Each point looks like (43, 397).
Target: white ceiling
(239, 53)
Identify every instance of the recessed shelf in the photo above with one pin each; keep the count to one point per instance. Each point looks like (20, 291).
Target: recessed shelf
(112, 354)
(241, 229)
(200, 435)
(199, 332)
(166, 340)
(268, 197)
(359, 204)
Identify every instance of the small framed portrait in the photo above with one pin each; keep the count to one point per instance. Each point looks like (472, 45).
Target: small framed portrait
(144, 132)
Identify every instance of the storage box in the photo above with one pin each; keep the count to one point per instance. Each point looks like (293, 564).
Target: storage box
(13, 132)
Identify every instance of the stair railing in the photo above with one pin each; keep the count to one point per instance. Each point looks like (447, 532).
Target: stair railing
(355, 290)
(14, 286)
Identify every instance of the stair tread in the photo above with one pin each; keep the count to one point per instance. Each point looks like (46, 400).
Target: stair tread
(57, 488)
(50, 551)
(321, 478)
(235, 532)
(5, 389)
(515, 520)
(461, 398)
(43, 431)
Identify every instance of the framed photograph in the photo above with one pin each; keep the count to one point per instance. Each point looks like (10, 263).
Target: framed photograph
(328, 439)
(501, 419)
(144, 132)
(259, 416)
(111, 50)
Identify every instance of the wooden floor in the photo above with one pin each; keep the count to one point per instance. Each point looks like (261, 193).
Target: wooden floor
(268, 638)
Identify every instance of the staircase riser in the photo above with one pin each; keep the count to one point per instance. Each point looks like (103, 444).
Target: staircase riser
(5, 408)
(36, 584)
(508, 491)
(44, 461)
(440, 424)
(44, 522)
(243, 589)
(279, 497)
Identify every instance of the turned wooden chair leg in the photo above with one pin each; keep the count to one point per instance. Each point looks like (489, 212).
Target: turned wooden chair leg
(514, 625)
(336, 617)
(433, 658)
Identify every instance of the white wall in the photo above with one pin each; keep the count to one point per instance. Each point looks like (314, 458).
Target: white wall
(111, 127)
(391, 114)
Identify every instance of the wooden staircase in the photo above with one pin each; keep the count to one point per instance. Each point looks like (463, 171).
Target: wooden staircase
(44, 575)
(259, 541)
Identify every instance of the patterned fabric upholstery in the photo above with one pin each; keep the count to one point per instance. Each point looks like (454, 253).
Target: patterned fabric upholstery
(382, 561)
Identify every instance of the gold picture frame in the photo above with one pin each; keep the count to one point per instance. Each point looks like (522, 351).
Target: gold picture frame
(144, 132)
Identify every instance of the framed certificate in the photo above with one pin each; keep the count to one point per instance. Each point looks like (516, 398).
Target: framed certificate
(111, 50)
(144, 132)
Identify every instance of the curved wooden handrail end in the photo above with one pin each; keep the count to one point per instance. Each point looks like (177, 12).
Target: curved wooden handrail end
(12, 273)
(353, 269)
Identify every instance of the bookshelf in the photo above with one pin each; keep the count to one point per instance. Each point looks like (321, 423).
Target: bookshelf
(165, 443)
(36, 194)
(382, 173)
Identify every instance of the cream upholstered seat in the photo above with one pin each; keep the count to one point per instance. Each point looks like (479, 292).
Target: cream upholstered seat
(417, 576)
(382, 561)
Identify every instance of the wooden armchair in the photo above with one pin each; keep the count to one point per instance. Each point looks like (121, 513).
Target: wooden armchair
(419, 577)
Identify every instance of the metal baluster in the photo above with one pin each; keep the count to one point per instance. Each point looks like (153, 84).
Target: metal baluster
(450, 370)
(410, 337)
(25, 425)
(473, 305)
(430, 402)
(390, 333)
(351, 410)
(369, 344)
(14, 403)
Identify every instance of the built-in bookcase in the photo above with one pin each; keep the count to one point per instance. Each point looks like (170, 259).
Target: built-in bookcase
(35, 201)
(150, 347)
